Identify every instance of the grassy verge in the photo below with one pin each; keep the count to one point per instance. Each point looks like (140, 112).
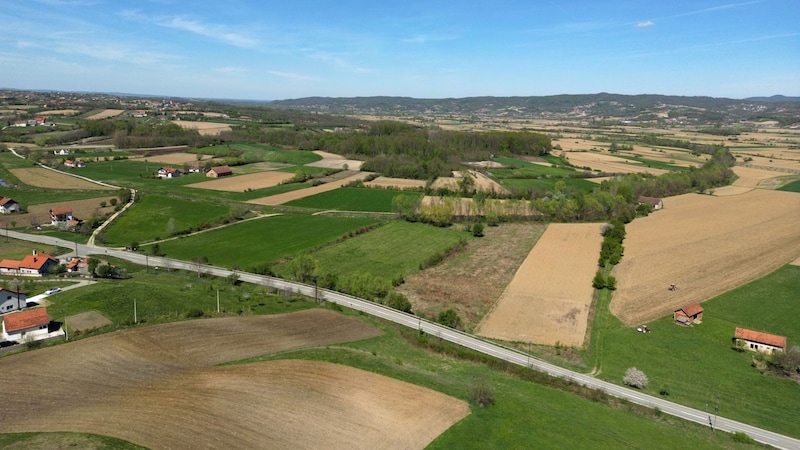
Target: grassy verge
(47, 441)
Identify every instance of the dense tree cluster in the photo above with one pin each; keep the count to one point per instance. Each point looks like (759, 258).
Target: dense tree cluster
(140, 134)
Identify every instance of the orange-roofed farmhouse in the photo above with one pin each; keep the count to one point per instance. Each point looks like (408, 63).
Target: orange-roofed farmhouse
(26, 324)
(221, 171)
(759, 342)
(688, 314)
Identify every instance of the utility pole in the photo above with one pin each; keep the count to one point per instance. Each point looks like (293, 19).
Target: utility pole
(66, 332)
(134, 311)
(716, 411)
(217, 301)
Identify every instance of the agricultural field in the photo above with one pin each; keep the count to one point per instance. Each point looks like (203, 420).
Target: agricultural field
(696, 364)
(106, 114)
(607, 163)
(395, 183)
(287, 197)
(352, 199)
(334, 161)
(256, 242)
(40, 214)
(44, 178)
(391, 251)
(706, 245)
(157, 216)
(204, 128)
(547, 301)
(240, 183)
(177, 362)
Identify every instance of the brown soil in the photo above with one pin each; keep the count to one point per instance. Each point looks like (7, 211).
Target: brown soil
(204, 128)
(45, 178)
(280, 199)
(473, 280)
(608, 163)
(106, 114)
(706, 245)
(87, 321)
(82, 209)
(241, 183)
(396, 183)
(549, 298)
(159, 387)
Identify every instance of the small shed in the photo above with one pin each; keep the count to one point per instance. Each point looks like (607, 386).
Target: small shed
(757, 341)
(26, 324)
(689, 314)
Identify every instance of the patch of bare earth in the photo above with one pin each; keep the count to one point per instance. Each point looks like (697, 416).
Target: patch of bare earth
(159, 387)
(472, 280)
(106, 114)
(40, 214)
(706, 245)
(204, 128)
(241, 183)
(395, 183)
(280, 199)
(45, 178)
(87, 321)
(549, 298)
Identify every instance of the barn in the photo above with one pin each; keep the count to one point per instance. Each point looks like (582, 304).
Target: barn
(757, 341)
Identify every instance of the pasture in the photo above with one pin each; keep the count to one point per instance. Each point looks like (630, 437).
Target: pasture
(390, 251)
(352, 199)
(255, 152)
(706, 245)
(517, 168)
(695, 364)
(157, 216)
(256, 242)
(548, 300)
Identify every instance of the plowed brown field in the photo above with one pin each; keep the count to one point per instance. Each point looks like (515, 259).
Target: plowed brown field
(280, 199)
(549, 298)
(241, 183)
(81, 209)
(45, 178)
(159, 387)
(706, 245)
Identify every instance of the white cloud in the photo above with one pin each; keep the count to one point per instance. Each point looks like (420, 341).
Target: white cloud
(645, 24)
(290, 75)
(211, 31)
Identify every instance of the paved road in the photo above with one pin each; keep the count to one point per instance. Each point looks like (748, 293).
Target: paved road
(448, 334)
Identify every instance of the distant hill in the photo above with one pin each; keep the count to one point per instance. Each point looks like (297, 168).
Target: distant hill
(603, 105)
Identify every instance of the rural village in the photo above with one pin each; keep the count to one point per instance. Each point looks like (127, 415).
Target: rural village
(318, 271)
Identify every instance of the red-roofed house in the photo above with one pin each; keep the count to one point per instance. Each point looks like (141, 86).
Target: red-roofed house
(26, 324)
(221, 171)
(60, 214)
(35, 265)
(11, 301)
(77, 264)
(169, 172)
(656, 202)
(688, 314)
(759, 342)
(7, 205)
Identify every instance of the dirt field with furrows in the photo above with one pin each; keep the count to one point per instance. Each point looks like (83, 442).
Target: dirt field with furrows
(241, 183)
(45, 178)
(549, 298)
(473, 280)
(608, 163)
(61, 112)
(706, 245)
(106, 114)
(204, 128)
(334, 161)
(396, 183)
(160, 387)
(82, 209)
(302, 193)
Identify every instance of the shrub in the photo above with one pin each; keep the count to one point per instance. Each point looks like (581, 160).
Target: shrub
(477, 229)
(194, 312)
(449, 318)
(635, 378)
(481, 395)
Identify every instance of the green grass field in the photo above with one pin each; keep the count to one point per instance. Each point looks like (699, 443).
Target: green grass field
(352, 199)
(696, 364)
(254, 152)
(156, 216)
(42, 441)
(580, 184)
(794, 186)
(524, 169)
(11, 248)
(393, 250)
(267, 240)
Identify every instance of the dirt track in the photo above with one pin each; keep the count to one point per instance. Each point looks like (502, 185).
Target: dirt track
(158, 387)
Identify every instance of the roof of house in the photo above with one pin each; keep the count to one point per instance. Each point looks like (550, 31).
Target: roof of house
(6, 200)
(36, 261)
(222, 169)
(61, 210)
(11, 290)
(168, 169)
(691, 310)
(9, 264)
(652, 200)
(25, 319)
(763, 338)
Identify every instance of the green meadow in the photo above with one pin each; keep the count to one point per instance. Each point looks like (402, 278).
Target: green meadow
(696, 365)
(256, 242)
(523, 169)
(157, 216)
(352, 199)
(255, 152)
(794, 186)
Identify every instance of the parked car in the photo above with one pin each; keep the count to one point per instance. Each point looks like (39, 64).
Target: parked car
(52, 291)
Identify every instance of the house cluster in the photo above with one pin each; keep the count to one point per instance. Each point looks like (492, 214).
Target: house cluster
(745, 339)
(74, 163)
(215, 172)
(8, 205)
(36, 121)
(35, 265)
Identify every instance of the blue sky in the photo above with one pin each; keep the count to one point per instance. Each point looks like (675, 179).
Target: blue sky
(418, 48)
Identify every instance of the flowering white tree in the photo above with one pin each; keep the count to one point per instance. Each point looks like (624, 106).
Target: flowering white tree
(635, 378)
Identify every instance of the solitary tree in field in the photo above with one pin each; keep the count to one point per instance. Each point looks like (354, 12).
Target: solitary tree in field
(635, 378)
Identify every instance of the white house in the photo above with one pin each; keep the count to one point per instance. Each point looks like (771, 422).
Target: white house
(36, 265)
(11, 301)
(8, 206)
(25, 325)
(61, 152)
(169, 172)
